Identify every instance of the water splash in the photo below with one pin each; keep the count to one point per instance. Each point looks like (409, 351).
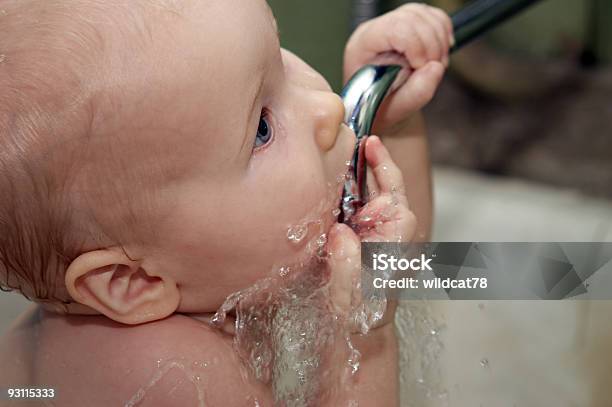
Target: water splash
(163, 367)
(296, 234)
(284, 271)
(369, 312)
(289, 334)
(354, 359)
(322, 240)
(421, 346)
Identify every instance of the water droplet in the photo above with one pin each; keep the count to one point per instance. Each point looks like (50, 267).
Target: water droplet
(2, 58)
(433, 332)
(284, 271)
(385, 168)
(348, 163)
(296, 234)
(484, 362)
(218, 319)
(354, 357)
(322, 240)
(336, 212)
(200, 364)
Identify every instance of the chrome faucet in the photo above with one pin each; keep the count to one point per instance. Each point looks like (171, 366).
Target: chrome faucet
(365, 91)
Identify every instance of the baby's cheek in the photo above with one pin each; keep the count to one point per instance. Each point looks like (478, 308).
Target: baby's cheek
(320, 211)
(293, 207)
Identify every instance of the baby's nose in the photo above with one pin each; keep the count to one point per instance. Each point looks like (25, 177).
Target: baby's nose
(328, 115)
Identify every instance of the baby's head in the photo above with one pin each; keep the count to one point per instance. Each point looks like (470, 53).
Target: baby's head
(154, 153)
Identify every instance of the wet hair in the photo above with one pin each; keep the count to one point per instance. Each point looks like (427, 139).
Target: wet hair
(47, 109)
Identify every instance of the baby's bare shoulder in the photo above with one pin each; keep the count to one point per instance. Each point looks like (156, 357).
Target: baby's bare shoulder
(176, 361)
(184, 361)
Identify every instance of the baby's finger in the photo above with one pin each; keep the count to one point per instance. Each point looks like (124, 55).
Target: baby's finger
(440, 31)
(386, 219)
(388, 176)
(344, 262)
(446, 22)
(364, 45)
(426, 30)
(408, 41)
(418, 90)
(373, 188)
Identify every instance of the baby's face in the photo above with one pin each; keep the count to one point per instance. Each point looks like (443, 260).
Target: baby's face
(257, 138)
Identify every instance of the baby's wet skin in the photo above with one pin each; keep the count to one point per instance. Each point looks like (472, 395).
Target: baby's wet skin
(287, 324)
(258, 144)
(254, 153)
(185, 361)
(90, 360)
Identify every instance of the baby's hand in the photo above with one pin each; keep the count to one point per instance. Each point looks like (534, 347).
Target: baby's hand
(416, 36)
(386, 218)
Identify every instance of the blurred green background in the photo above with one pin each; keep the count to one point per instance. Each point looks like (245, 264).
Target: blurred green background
(529, 99)
(317, 30)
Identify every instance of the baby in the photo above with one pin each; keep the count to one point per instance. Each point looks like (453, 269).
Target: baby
(155, 157)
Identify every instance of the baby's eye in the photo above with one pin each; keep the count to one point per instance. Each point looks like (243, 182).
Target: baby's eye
(264, 130)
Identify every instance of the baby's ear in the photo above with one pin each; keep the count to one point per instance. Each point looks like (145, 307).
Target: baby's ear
(123, 290)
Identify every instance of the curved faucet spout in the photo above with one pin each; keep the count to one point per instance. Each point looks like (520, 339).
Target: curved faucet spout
(362, 96)
(365, 91)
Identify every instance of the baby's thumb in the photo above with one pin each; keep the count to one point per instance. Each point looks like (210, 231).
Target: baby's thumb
(421, 86)
(344, 261)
